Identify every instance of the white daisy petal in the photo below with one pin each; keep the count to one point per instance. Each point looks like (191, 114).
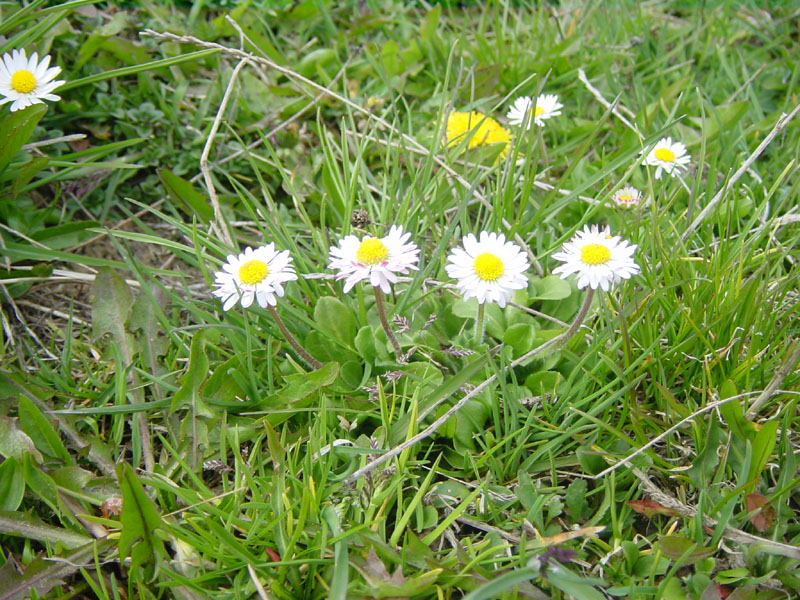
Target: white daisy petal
(527, 110)
(25, 81)
(372, 259)
(598, 258)
(255, 274)
(667, 156)
(488, 269)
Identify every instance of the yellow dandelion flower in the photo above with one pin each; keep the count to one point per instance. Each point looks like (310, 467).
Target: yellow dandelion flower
(480, 129)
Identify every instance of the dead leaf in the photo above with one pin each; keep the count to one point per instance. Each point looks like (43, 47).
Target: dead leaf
(651, 508)
(765, 518)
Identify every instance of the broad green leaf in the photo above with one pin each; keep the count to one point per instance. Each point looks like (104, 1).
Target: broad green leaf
(15, 443)
(520, 337)
(17, 128)
(702, 470)
(41, 431)
(302, 385)
(12, 484)
(575, 499)
(732, 412)
(27, 172)
(499, 586)
(551, 287)
(390, 58)
(140, 522)
(430, 23)
(221, 389)
(111, 306)
(725, 118)
(577, 586)
(365, 344)
(27, 526)
(144, 324)
(341, 566)
(195, 375)
(675, 547)
(336, 319)
(763, 445)
(185, 196)
(41, 484)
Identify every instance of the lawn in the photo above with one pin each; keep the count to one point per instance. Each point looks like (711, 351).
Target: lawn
(435, 300)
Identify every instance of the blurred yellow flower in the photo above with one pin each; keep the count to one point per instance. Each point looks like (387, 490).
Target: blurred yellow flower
(479, 129)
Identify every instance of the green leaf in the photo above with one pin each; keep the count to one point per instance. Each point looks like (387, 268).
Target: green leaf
(575, 499)
(40, 430)
(341, 566)
(17, 129)
(725, 118)
(185, 196)
(702, 470)
(741, 428)
(12, 484)
(148, 332)
(111, 305)
(430, 23)
(336, 319)
(578, 587)
(365, 344)
(15, 443)
(27, 526)
(302, 385)
(26, 172)
(139, 521)
(676, 547)
(497, 587)
(390, 59)
(520, 337)
(41, 484)
(195, 375)
(763, 445)
(551, 287)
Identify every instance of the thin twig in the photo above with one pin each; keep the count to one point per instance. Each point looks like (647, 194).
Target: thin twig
(612, 105)
(731, 533)
(212, 193)
(64, 138)
(776, 381)
(433, 427)
(780, 125)
(708, 407)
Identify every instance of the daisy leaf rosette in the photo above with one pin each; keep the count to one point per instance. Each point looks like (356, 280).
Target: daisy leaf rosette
(488, 268)
(25, 81)
(598, 258)
(255, 274)
(544, 107)
(667, 156)
(377, 260)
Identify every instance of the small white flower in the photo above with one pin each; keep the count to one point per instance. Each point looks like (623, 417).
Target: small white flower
(25, 81)
(598, 258)
(489, 269)
(374, 259)
(627, 197)
(255, 274)
(546, 106)
(667, 156)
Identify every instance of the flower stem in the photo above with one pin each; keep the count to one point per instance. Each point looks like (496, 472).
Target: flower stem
(389, 333)
(302, 352)
(479, 323)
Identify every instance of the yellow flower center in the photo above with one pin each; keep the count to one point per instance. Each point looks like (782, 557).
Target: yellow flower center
(595, 254)
(371, 252)
(23, 82)
(253, 271)
(488, 267)
(539, 111)
(626, 198)
(665, 154)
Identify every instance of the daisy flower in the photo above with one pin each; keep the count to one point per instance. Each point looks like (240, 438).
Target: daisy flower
(26, 81)
(375, 259)
(598, 258)
(545, 107)
(489, 268)
(667, 156)
(627, 197)
(255, 274)
(480, 129)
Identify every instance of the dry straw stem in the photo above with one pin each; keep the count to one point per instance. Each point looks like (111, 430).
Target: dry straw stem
(612, 105)
(708, 407)
(212, 193)
(433, 427)
(731, 533)
(241, 54)
(780, 125)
